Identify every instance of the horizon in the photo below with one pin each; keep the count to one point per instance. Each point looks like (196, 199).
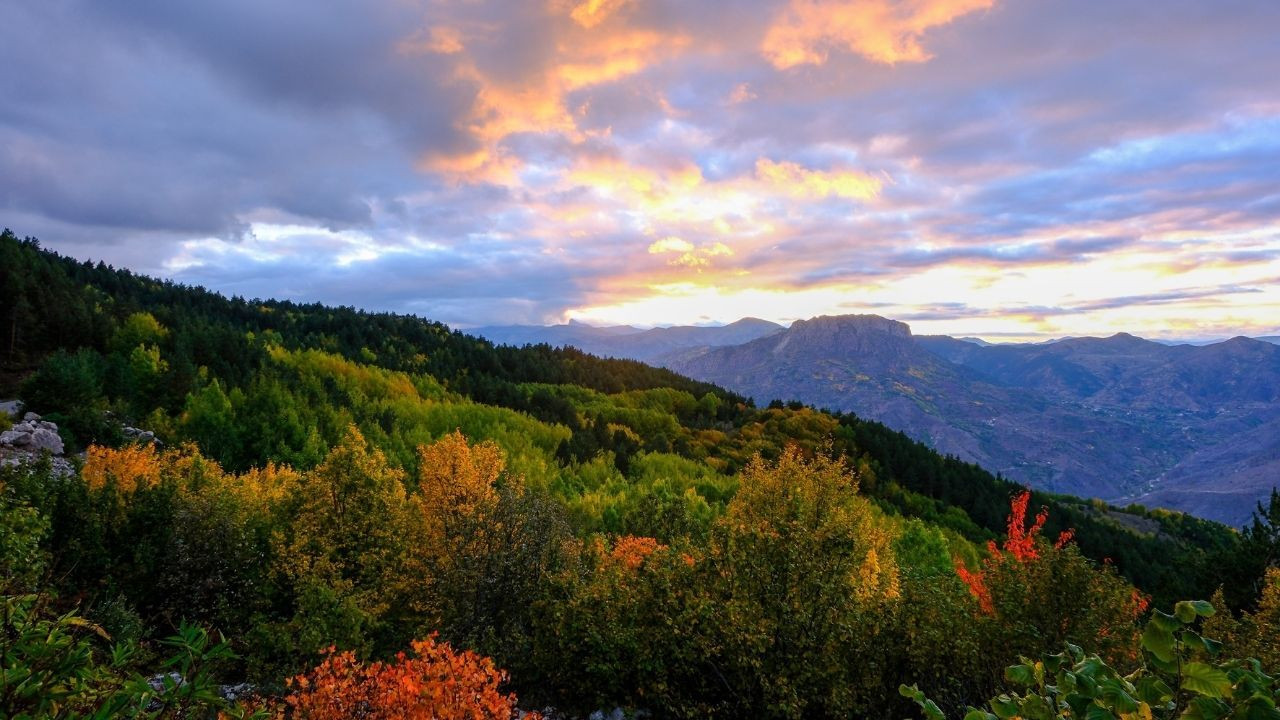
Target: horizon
(987, 168)
(958, 336)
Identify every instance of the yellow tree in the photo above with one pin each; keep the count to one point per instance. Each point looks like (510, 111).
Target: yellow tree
(801, 556)
(457, 483)
(482, 545)
(345, 547)
(1254, 634)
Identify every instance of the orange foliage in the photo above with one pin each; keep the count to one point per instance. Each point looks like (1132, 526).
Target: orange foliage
(1021, 540)
(631, 551)
(456, 477)
(1020, 545)
(435, 683)
(127, 469)
(978, 586)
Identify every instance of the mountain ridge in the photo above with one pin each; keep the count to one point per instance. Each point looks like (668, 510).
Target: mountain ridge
(1120, 417)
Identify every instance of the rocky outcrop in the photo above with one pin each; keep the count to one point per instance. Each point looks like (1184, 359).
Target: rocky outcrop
(33, 433)
(139, 435)
(30, 439)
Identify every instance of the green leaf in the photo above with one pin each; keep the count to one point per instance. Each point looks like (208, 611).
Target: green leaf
(1117, 696)
(930, 708)
(1205, 680)
(1153, 691)
(1185, 612)
(1079, 704)
(1035, 707)
(1158, 641)
(976, 714)
(1164, 621)
(1023, 675)
(1204, 708)
(1203, 608)
(1258, 707)
(1004, 707)
(1097, 712)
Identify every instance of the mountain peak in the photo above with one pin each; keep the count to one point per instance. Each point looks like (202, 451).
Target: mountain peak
(752, 322)
(854, 323)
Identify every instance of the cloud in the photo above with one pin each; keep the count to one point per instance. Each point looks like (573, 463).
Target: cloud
(796, 180)
(660, 161)
(885, 31)
(688, 255)
(669, 245)
(439, 39)
(590, 13)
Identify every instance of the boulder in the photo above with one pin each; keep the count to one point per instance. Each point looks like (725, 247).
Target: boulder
(44, 439)
(30, 417)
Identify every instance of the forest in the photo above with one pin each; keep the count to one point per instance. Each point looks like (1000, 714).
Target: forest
(357, 514)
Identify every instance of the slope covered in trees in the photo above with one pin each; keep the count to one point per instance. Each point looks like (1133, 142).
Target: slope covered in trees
(609, 533)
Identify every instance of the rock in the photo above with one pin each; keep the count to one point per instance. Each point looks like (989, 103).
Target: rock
(9, 437)
(231, 693)
(29, 417)
(142, 436)
(19, 439)
(24, 427)
(157, 682)
(44, 439)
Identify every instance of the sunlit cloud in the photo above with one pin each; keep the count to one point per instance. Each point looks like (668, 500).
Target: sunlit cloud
(790, 178)
(687, 254)
(590, 13)
(886, 31)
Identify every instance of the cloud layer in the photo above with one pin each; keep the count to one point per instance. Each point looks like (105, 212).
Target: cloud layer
(1009, 167)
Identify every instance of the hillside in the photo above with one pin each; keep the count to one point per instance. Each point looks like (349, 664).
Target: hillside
(1118, 418)
(1213, 407)
(1121, 418)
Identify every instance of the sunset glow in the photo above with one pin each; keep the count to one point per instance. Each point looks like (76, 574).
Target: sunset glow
(998, 168)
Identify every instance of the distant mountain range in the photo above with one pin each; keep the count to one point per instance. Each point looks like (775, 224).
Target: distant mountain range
(1188, 427)
(632, 343)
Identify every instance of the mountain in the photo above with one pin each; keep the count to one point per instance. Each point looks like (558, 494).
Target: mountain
(630, 342)
(1120, 418)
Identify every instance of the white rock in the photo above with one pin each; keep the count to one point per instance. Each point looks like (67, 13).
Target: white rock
(47, 440)
(30, 417)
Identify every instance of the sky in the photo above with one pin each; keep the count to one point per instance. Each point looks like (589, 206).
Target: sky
(998, 168)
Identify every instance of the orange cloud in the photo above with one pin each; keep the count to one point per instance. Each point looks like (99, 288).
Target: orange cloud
(687, 254)
(590, 13)
(539, 105)
(801, 182)
(439, 39)
(742, 93)
(886, 31)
